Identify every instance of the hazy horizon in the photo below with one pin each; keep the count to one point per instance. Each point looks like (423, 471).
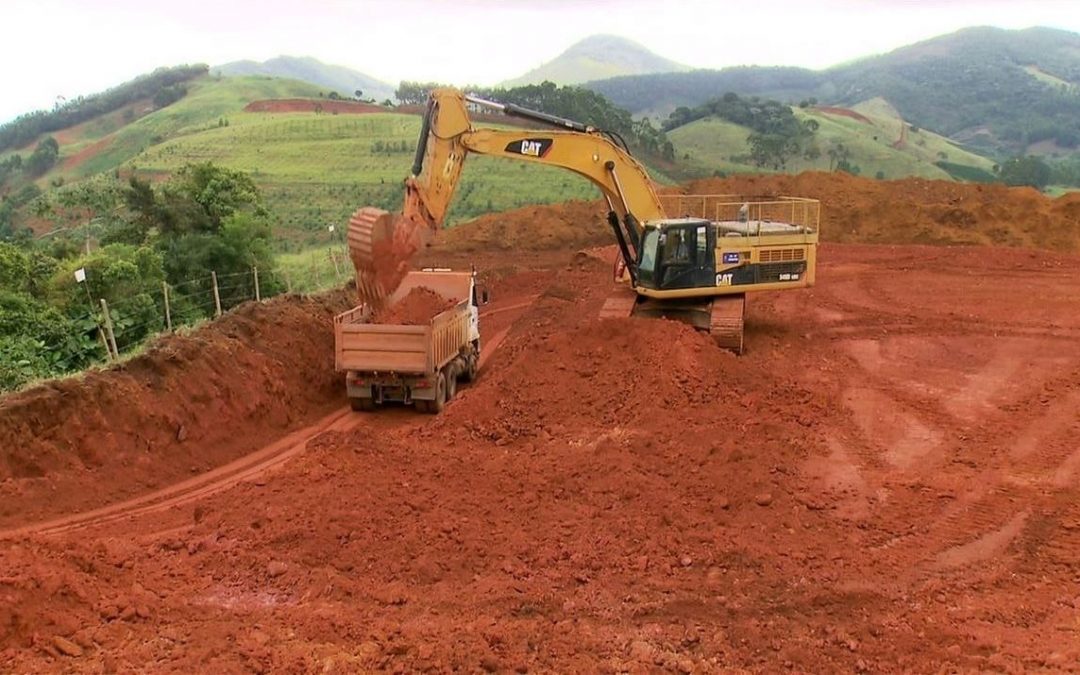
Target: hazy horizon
(471, 41)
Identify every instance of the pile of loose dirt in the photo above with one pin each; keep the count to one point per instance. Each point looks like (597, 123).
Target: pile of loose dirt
(571, 225)
(417, 308)
(853, 209)
(919, 211)
(189, 403)
(294, 105)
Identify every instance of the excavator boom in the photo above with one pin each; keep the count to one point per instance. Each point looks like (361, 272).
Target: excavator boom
(696, 267)
(381, 244)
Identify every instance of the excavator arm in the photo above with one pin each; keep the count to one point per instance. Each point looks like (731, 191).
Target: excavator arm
(381, 244)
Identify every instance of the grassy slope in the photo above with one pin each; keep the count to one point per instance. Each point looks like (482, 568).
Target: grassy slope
(316, 170)
(208, 100)
(716, 145)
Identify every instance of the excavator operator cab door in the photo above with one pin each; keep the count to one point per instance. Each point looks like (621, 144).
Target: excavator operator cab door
(679, 255)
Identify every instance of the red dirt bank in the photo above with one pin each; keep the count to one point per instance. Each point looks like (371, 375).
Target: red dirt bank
(886, 481)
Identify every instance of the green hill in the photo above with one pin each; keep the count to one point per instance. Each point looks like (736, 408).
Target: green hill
(314, 169)
(870, 137)
(328, 77)
(597, 57)
(211, 101)
(1001, 91)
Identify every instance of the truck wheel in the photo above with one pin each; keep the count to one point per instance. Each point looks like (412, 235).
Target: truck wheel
(451, 384)
(362, 404)
(472, 366)
(435, 407)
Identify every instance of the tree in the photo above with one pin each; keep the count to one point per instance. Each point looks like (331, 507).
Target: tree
(359, 93)
(43, 157)
(1029, 170)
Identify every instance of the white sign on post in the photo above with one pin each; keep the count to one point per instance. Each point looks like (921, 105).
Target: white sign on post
(80, 275)
(330, 228)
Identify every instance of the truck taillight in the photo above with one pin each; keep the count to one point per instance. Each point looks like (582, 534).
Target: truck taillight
(422, 384)
(358, 383)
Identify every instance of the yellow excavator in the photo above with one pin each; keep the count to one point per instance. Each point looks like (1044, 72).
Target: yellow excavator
(692, 261)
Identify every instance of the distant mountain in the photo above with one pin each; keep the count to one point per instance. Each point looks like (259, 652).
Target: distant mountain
(341, 79)
(597, 57)
(1003, 91)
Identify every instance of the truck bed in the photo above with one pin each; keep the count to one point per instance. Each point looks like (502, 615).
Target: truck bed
(361, 346)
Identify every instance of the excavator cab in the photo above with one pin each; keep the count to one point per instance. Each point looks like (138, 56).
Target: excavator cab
(678, 254)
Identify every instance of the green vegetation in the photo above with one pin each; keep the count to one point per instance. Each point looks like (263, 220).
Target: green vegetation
(776, 135)
(877, 144)
(572, 103)
(1029, 170)
(25, 128)
(999, 90)
(327, 77)
(205, 219)
(315, 170)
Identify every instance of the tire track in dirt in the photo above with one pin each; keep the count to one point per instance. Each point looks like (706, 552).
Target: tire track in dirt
(255, 464)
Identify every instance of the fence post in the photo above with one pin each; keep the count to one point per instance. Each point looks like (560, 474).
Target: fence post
(105, 343)
(168, 311)
(288, 283)
(255, 273)
(109, 328)
(337, 270)
(217, 296)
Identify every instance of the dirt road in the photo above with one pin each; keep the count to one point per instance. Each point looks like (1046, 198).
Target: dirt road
(887, 480)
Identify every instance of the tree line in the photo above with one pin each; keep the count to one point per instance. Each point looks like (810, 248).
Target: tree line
(164, 86)
(204, 218)
(776, 134)
(574, 103)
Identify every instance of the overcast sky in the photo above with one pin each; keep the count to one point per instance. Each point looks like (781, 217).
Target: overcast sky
(72, 47)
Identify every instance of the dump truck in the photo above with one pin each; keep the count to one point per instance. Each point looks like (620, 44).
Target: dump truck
(417, 365)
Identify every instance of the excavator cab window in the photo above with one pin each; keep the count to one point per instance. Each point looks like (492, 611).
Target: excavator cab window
(679, 255)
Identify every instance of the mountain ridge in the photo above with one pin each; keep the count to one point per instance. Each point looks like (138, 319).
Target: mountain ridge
(341, 79)
(601, 54)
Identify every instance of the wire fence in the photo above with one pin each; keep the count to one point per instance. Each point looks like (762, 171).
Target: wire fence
(114, 327)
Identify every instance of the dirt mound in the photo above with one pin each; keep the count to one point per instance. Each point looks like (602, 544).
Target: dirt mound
(885, 481)
(189, 403)
(915, 210)
(571, 225)
(294, 105)
(853, 209)
(417, 308)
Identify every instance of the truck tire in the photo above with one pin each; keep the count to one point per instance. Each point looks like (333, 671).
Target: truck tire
(436, 406)
(451, 383)
(472, 367)
(362, 404)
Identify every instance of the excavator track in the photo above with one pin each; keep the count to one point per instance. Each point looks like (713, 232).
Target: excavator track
(619, 303)
(726, 321)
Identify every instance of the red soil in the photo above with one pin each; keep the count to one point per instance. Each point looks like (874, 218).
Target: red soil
(417, 308)
(843, 112)
(886, 481)
(329, 106)
(192, 401)
(81, 157)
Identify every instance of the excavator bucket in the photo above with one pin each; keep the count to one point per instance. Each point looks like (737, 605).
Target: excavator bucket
(381, 246)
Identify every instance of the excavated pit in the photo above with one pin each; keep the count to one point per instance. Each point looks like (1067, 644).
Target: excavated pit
(886, 480)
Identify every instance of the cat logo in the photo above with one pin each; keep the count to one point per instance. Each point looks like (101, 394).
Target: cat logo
(530, 147)
(723, 279)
